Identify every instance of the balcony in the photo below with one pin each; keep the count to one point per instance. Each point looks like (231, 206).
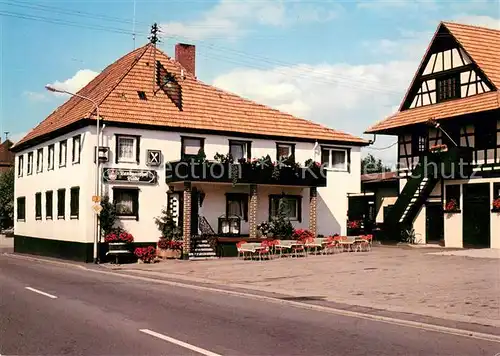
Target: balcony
(452, 162)
(245, 173)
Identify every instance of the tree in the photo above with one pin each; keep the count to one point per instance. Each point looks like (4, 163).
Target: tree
(7, 198)
(370, 164)
(107, 217)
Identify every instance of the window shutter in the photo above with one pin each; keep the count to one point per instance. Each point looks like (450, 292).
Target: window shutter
(117, 139)
(249, 152)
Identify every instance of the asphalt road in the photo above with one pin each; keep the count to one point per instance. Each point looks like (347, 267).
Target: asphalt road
(48, 309)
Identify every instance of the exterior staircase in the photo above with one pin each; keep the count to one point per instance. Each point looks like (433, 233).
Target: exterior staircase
(201, 249)
(420, 184)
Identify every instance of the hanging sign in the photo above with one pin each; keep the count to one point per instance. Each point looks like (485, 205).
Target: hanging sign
(111, 175)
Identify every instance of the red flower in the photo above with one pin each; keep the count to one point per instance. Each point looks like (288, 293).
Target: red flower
(145, 254)
(354, 224)
(451, 205)
(122, 236)
(496, 204)
(302, 235)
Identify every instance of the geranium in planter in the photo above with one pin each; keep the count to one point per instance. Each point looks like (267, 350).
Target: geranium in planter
(303, 235)
(145, 254)
(167, 248)
(119, 240)
(496, 205)
(451, 207)
(354, 224)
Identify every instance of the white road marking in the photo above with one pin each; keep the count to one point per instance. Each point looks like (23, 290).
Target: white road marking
(179, 343)
(40, 292)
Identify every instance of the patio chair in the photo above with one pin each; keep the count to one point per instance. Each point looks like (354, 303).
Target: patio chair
(298, 248)
(281, 246)
(244, 248)
(263, 250)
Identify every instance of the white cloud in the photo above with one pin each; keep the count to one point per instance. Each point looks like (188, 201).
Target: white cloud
(35, 96)
(476, 20)
(76, 82)
(347, 97)
(231, 19)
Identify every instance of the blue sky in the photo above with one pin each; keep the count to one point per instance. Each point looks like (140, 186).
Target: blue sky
(342, 63)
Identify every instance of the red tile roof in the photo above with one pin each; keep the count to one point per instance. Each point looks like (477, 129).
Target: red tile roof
(483, 47)
(378, 177)
(204, 107)
(6, 156)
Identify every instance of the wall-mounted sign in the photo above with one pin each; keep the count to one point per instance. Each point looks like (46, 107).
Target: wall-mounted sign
(111, 175)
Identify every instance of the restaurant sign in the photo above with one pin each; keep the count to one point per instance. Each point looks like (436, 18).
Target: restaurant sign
(111, 175)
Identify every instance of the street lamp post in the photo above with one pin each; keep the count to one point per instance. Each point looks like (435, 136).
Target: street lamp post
(96, 107)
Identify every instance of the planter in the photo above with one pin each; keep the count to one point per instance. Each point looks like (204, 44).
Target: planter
(168, 253)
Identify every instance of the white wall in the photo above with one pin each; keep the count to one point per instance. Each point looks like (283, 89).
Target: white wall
(332, 202)
(73, 175)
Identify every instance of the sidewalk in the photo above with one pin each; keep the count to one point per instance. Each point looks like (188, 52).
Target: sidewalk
(394, 279)
(6, 244)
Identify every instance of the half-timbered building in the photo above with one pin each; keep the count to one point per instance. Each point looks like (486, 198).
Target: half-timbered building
(448, 130)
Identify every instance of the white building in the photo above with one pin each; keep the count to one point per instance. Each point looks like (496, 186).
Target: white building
(156, 113)
(448, 128)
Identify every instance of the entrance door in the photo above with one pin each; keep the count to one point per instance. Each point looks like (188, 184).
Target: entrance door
(434, 222)
(476, 215)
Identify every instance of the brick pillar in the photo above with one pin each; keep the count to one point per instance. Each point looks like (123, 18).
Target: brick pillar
(186, 228)
(252, 211)
(313, 208)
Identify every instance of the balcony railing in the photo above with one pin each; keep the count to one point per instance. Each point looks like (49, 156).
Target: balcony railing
(245, 173)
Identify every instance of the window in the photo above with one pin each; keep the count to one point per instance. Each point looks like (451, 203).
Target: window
(496, 190)
(30, 163)
(485, 134)
(38, 206)
(126, 201)
(39, 160)
(61, 203)
(63, 145)
(20, 166)
(284, 151)
(48, 204)
(239, 150)
(292, 206)
(127, 149)
(453, 194)
(21, 209)
(448, 88)
(419, 143)
(74, 204)
(76, 149)
(191, 146)
(335, 159)
(50, 158)
(237, 205)
(142, 95)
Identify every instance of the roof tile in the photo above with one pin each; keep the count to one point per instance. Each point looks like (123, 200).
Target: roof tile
(203, 106)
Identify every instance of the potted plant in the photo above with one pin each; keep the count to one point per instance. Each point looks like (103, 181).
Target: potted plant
(145, 254)
(119, 240)
(496, 205)
(451, 207)
(303, 235)
(170, 242)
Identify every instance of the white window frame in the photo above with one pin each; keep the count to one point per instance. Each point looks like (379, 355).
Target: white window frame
(330, 158)
(29, 170)
(298, 201)
(20, 165)
(39, 160)
(50, 157)
(243, 144)
(133, 159)
(63, 159)
(76, 154)
(283, 144)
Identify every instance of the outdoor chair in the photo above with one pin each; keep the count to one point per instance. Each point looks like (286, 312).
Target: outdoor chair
(298, 248)
(263, 250)
(283, 247)
(244, 248)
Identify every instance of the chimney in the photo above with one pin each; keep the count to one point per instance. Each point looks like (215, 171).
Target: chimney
(185, 54)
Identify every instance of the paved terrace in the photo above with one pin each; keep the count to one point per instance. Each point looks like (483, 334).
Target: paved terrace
(391, 278)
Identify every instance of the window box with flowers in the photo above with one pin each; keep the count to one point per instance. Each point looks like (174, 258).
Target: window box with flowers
(167, 248)
(119, 243)
(496, 205)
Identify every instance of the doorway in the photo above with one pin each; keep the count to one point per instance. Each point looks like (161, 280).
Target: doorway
(476, 215)
(434, 222)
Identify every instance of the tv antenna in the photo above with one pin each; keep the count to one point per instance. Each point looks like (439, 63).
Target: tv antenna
(133, 26)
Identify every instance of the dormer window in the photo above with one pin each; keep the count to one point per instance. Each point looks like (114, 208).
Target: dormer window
(448, 88)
